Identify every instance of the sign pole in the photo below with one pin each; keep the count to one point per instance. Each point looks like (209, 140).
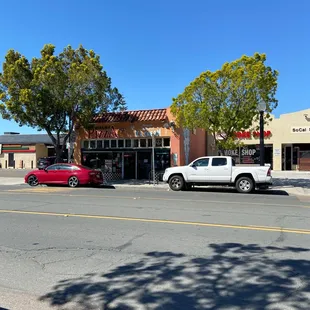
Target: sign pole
(153, 158)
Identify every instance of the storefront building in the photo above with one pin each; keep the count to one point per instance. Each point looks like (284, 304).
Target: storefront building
(121, 144)
(23, 151)
(287, 143)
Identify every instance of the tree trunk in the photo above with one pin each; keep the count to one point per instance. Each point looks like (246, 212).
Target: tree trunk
(58, 150)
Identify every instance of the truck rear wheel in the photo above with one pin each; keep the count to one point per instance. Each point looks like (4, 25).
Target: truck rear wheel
(244, 185)
(176, 183)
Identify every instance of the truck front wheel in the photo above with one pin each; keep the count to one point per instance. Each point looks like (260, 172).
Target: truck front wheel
(245, 185)
(176, 183)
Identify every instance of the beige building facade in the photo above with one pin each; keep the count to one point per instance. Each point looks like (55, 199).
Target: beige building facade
(287, 143)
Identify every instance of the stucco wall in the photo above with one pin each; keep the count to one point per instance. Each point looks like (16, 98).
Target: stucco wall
(128, 130)
(281, 134)
(25, 160)
(41, 151)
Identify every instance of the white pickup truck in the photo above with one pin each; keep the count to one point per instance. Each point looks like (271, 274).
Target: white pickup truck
(218, 170)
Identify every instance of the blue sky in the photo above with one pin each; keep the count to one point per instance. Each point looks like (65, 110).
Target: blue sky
(153, 49)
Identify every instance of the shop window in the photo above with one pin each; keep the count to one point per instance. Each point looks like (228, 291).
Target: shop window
(86, 144)
(120, 143)
(106, 144)
(99, 144)
(92, 144)
(135, 143)
(128, 143)
(143, 143)
(149, 143)
(166, 141)
(159, 142)
(113, 143)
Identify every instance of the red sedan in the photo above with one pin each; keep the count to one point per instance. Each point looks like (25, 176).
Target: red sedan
(65, 174)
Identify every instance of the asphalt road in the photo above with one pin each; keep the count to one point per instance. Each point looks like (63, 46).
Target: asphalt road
(140, 249)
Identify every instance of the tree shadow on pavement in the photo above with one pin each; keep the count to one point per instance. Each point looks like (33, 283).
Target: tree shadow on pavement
(282, 182)
(234, 276)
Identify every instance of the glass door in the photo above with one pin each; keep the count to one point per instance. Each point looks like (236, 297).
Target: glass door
(129, 165)
(288, 158)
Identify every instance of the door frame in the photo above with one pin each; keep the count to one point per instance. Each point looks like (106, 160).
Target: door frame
(291, 156)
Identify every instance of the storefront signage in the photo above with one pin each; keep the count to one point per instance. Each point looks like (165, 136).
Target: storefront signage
(147, 133)
(104, 133)
(301, 129)
(231, 152)
(244, 155)
(250, 134)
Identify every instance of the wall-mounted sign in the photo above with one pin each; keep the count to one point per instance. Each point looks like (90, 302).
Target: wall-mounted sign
(147, 133)
(300, 129)
(104, 133)
(175, 159)
(277, 152)
(250, 134)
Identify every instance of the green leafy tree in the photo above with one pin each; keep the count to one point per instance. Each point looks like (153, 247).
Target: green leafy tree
(54, 93)
(225, 101)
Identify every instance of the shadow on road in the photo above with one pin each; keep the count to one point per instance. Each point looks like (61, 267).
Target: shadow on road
(234, 276)
(234, 191)
(303, 183)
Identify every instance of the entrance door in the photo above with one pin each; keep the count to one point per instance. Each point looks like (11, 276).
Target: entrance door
(129, 166)
(144, 165)
(11, 160)
(288, 158)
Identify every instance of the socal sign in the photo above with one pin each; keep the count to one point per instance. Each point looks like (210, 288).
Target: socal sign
(249, 134)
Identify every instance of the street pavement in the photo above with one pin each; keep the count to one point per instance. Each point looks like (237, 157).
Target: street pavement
(107, 248)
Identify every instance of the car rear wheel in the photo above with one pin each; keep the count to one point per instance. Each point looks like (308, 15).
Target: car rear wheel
(176, 183)
(245, 185)
(33, 180)
(73, 181)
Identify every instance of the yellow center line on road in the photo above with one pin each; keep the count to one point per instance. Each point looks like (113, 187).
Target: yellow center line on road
(162, 221)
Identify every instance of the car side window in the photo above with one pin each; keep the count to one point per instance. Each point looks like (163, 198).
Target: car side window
(52, 168)
(219, 162)
(204, 162)
(65, 167)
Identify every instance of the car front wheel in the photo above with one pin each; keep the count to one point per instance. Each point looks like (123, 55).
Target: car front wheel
(73, 181)
(245, 185)
(176, 183)
(33, 180)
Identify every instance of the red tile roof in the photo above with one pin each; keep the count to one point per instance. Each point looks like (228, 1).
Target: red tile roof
(132, 116)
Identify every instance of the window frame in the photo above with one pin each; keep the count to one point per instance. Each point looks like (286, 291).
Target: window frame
(219, 158)
(201, 159)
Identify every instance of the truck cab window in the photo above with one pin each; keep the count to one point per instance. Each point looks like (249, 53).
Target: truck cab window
(219, 162)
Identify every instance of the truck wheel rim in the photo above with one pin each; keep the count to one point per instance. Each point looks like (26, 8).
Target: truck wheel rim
(245, 185)
(73, 181)
(176, 183)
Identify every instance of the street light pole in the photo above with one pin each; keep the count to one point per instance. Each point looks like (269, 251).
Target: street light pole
(261, 108)
(153, 158)
(261, 138)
